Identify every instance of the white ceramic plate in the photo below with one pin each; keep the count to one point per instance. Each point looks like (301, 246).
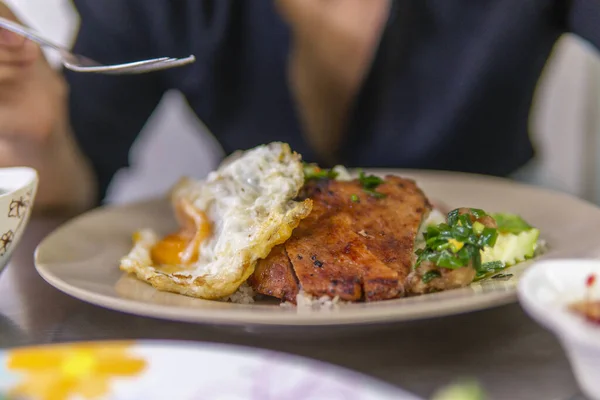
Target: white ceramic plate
(179, 370)
(81, 258)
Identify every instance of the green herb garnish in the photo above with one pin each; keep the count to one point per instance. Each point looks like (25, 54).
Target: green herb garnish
(313, 171)
(454, 244)
(354, 198)
(430, 275)
(489, 268)
(369, 183)
(502, 276)
(374, 193)
(454, 215)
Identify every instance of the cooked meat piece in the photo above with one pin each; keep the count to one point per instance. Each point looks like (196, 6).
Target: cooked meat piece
(390, 225)
(354, 245)
(274, 276)
(447, 279)
(330, 259)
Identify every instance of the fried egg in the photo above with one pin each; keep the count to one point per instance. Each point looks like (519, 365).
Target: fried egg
(227, 223)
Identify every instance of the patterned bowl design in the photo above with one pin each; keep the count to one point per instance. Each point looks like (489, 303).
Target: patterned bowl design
(17, 192)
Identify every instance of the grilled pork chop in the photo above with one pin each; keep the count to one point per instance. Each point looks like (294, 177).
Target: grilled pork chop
(273, 276)
(353, 244)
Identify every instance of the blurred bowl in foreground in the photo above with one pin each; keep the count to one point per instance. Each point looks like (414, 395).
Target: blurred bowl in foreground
(547, 291)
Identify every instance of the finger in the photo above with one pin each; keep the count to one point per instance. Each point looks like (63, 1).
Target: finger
(10, 74)
(7, 38)
(26, 54)
(11, 40)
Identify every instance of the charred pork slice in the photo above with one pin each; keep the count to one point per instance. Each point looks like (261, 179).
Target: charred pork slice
(330, 259)
(354, 244)
(273, 276)
(388, 225)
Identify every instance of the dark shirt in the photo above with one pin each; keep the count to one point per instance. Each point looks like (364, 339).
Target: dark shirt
(450, 87)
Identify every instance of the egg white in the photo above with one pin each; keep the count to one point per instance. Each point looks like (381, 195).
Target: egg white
(249, 201)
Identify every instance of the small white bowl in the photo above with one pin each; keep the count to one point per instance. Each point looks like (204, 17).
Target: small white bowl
(545, 291)
(18, 187)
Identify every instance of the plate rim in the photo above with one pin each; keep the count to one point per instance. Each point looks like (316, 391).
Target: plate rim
(208, 316)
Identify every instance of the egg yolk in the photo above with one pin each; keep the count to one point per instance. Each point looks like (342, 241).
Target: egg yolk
(168, 250)
(183, 247)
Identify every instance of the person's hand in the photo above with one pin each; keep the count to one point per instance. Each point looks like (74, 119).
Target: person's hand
(32, 96)
(33, 118)
(333, 43)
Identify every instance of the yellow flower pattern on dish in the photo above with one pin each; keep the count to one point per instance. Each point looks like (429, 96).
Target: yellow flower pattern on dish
(62, 371)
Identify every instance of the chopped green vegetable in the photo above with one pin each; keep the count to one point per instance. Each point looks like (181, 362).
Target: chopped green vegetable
(430, 275)
(354, 198)
(488, 237)
(313, 171)
(463, 240)
(374, 193)
(478, 213)
(502, 276)
(455, 244)
(511, 223)
(478, 227)
(454, 215)
(489, 268)
(370, 183)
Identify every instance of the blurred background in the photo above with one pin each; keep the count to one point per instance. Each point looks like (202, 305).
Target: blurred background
(565, 122)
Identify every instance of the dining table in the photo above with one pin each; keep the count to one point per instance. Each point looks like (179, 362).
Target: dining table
(509, 354)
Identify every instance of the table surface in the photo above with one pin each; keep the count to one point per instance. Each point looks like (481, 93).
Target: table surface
(503, 348)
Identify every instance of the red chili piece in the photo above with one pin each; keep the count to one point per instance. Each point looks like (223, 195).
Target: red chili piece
(591, 280)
